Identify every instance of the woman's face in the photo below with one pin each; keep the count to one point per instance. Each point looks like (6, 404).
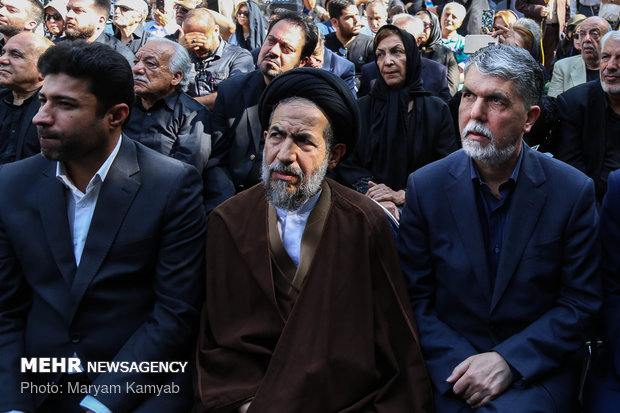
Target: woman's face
(392, 61)
(242, 15)
(427, 26)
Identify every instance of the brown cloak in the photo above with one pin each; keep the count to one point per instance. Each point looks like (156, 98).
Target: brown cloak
(347, 344)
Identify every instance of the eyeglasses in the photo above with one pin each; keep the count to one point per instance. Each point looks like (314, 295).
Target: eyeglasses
(243, 13)
(123, 9)
(595, 34)
(427, 25)
(181, 8)
(55, 16)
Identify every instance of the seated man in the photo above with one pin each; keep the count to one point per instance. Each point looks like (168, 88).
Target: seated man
(214, 59)
(296, 319)
(164, 118)
(499, 245)
(589, 114)
(575, 70)
(19, 102)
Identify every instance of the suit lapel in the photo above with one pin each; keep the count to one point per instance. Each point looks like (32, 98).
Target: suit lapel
(526, 205)
(461, 196)
(116, 195)
(53, 210)
(578, 73)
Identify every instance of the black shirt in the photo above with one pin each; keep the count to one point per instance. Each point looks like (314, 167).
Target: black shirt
(138, 38)
(173, 126)
(10, 126)
(227, 61)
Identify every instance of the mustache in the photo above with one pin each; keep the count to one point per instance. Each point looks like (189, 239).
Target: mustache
(612, 72)
(478, 128)
(140, 78)
(279, 167)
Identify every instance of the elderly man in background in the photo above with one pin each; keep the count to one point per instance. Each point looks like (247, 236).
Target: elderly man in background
(19, 102)
(376, 16)
(163, 20)
(306, 306)
(575, 70)
(128, 18)
(589, 120)
(214, 59)
(164, 118)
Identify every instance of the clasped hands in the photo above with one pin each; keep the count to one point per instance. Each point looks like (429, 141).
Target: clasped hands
(481, 378)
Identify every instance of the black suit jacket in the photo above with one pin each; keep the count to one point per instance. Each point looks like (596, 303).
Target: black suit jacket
(237, 139)
(27, 139)
(434, 78)
(135, 295)
(582, 129)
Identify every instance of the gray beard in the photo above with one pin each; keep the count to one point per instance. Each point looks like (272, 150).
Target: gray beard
(488, 154)
(609, 89)
(278, 196)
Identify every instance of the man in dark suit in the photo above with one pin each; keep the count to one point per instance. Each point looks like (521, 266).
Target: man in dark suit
(589, 114)
(20, 100)
(499, 245)
(101, 251)
(237, 138)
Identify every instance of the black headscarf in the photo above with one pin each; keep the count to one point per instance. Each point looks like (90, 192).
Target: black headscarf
(326, 90)
(395, 142)
(257, 28)
(434, 38)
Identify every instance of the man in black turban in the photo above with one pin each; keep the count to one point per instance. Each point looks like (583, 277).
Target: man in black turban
(306, 307)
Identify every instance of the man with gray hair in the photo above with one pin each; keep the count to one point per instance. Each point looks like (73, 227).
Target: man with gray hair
(589, 116)
(128, 18)
(164, 117)
(499, 245)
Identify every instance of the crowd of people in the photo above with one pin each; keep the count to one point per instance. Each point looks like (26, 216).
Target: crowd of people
(316, 205)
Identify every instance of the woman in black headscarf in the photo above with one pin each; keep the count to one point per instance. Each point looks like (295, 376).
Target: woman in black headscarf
(250, 26)
(403, 126)
(432, 48)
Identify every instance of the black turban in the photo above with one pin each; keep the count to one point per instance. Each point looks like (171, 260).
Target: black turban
(324, 89)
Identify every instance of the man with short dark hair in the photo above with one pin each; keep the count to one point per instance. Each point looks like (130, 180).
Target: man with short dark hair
(215, 60)
(87, 19)
(347, 41)
(128, 18)
(236, 135)
(499, 245)
(20, 100)
(589, 120)
(101, 251)
(17, 16)
(306, 306)
(164, 118)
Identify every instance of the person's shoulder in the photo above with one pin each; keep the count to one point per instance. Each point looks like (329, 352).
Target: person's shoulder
(235, 50)
(347, 198)
(568, 61)
(557, 173)
(190, 104)
(24, 169)
(241, 207)
(580, 93)
(241, 82)
(153, 163)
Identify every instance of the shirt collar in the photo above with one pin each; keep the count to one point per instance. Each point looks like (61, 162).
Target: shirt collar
(475, 175)
(63, 176)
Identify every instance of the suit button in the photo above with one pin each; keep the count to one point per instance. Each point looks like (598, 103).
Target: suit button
(75, 338)
(252, 157)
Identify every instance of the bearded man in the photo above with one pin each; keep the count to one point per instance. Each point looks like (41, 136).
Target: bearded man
(499, 245)
(306, 304)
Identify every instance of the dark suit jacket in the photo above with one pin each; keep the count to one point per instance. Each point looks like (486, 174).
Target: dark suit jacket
(28, 139)
(237, 139)
(434, 77)
(341, 67)
(135, 295)
(547, 286)
(582, 129)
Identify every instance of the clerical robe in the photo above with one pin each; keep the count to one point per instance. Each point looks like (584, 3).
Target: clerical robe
(341, 340)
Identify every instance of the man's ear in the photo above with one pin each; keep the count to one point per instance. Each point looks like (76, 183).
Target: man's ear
(334, 22)
(532, 114)
(117, 114)
(336, 154)
(176, 78)
(30, 25)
